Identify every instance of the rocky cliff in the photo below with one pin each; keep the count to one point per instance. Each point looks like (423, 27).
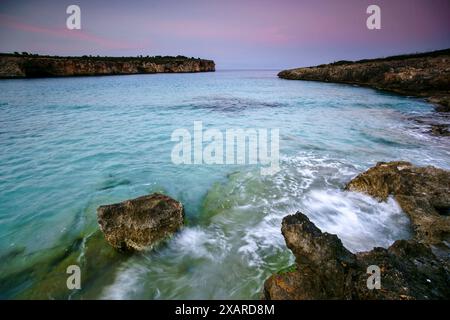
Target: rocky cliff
(325, 269)
(28, 66)
(424, 75)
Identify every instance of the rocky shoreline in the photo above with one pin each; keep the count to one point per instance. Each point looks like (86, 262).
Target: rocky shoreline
(35, 66)
(416, 268)
(425, 75)
(125, 229)
(137, 224)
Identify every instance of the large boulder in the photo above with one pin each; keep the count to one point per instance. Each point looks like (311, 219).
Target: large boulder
(134, 225)
(410, 269)
(422, 192)
(325, 269)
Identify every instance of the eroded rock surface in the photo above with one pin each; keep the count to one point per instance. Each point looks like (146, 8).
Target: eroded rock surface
(139, 223)
(327, 270)
(424, 75)
(410, 269)
(422, 192)
(26, 66)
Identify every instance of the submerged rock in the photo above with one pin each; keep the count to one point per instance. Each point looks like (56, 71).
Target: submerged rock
(327, 270)
(440, 130)
(437, 123)
(410, 269)
(422, 192)
(46, 276)
(139, 223)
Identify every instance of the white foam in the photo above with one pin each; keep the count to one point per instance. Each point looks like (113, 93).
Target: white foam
(201, 243)
(126, 282)
(360, 221)
(241, 245)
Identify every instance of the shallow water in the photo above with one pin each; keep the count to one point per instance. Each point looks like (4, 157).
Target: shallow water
(69, 145)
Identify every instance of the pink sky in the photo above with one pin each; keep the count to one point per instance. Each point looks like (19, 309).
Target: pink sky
(236, 34)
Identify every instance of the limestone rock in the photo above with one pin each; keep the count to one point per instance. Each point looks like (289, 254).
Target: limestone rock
(327, 270)
(139, 223)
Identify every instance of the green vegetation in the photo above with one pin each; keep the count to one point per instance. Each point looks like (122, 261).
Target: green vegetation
(291, 268)
(154, 59)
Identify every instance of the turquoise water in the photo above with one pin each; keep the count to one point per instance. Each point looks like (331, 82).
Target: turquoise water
(69, 145)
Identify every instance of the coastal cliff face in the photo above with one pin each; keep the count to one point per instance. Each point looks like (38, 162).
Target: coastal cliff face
(423, 75)
(39, 66)
(137, 224)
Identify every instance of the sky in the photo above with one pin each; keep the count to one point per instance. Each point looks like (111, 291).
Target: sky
(236, 34)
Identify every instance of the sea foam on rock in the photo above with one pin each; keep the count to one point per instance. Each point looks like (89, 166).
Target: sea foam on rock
(422, 192)
(137, 224)
(410, 269)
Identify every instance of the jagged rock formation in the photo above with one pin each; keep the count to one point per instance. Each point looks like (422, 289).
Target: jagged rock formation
(424, 75)
(137, 224)
(410, 269)
(27, 66)
(327, 270)
(422, 192)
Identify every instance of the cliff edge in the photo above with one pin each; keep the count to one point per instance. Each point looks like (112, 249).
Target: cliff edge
(34, 66)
